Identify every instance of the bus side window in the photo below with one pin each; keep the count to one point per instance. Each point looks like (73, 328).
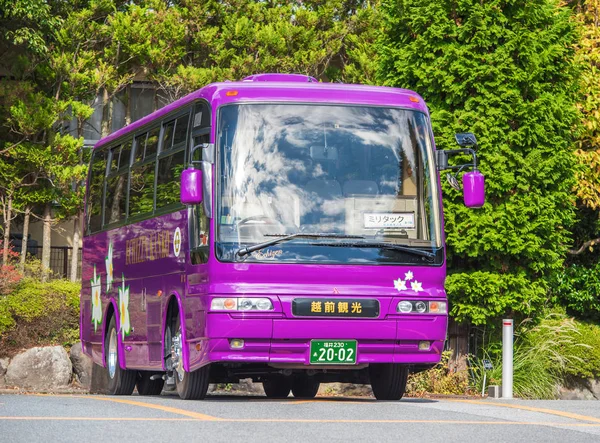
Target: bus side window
(116, 188)
(95, 191)
(169, 177)
(200, 224)
(152, 143)
(141, 178)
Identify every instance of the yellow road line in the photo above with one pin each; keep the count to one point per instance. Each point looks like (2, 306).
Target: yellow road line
(191, 414)
(308, 420)
(100, 418)
(531, 409)
(327, 400)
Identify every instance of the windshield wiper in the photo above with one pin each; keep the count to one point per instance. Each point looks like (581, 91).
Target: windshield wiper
(283, 238)
(392, 246)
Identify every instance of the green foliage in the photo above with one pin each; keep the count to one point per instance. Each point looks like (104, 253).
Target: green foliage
(505, 71)
(37, 313)
(441, 379)
(544, 354)
(577, 287)
(585, 351)
(485, 295)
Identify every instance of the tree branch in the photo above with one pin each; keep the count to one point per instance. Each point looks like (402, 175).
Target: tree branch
(584, 247)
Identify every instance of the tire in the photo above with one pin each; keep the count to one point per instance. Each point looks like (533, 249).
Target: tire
(305, 387)
(146, 386)
(120, 381)
(190, 385)
(388, 380)
(277, 387)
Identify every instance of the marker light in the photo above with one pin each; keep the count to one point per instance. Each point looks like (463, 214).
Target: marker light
(231, 93)
(424, 346)
(236, 343)
(241, 304)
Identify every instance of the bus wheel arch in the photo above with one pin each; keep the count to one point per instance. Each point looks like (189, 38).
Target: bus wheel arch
(109, 313)
(189, 385)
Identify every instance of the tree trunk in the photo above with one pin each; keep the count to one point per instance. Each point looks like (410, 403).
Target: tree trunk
(25, 235)
(75, 250)
(46, 242)
(106, 112)
(7, 222)
(127, 102)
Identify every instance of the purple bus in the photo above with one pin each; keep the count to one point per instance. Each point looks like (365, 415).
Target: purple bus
(277, 229)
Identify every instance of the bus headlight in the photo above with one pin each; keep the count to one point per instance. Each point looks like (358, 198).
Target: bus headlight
(240, 304)
(422, 307)
(405, 307)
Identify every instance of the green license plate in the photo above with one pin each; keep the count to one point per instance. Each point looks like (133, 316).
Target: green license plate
(336, 352)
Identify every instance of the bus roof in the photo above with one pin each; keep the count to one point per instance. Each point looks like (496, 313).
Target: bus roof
(270, 88)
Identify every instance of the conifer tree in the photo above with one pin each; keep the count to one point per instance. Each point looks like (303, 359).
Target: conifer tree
(504, 70)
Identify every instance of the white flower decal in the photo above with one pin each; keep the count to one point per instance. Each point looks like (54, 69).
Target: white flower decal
(416, 286)
(96, 300)
(124, 309)
(400, 285)
(109, 267)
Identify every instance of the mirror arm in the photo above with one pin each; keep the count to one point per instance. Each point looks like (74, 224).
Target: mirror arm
(441, 157)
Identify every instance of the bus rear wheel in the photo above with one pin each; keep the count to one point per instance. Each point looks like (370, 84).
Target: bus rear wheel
(277, 386)
(388, 380)
(305, 387)
(120, 381)
(146, 386)
(189, 385)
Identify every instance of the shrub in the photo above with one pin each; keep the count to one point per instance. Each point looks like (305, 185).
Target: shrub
(544, 354)
(577, 288)
(441, 379)
(36, 314)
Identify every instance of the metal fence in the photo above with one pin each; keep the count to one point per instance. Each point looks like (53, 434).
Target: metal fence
(60, 260)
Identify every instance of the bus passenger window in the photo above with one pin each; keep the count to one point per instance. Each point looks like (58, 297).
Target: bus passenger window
(140, 143)
(168, 136)
(152, 143)
(125, 155)
(114, 158)
(114, 208)
(141, 190)
(96, 188)
(181, 129)
(168, 180)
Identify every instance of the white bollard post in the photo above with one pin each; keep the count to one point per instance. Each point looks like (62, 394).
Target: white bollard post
(507, 358)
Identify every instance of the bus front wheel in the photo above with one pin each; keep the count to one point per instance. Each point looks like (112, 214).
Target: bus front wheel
(189, 385)
(305, 387)
(277, 386)
(120, 381)
(388, 380)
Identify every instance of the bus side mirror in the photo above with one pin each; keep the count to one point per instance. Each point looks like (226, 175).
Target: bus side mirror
(473, 189)
(191, 186)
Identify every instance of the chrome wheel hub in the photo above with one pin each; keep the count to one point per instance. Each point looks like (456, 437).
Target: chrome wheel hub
(176, 360)
(112, 354)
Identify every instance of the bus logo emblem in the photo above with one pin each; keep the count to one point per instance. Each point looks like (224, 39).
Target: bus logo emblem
(177, 242)
(335, 291)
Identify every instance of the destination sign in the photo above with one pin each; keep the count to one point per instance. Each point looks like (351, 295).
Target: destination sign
(335, 307)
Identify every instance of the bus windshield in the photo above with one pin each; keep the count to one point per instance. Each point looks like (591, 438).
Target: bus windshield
(362, 175)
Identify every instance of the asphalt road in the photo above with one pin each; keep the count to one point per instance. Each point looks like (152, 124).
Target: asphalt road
(166, 419)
